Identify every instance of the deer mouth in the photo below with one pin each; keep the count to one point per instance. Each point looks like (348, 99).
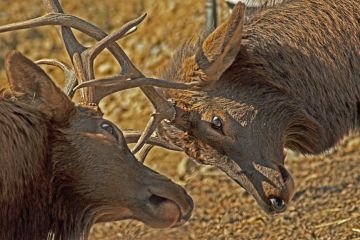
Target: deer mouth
(272, 188)
(273, 200)
(273, 205)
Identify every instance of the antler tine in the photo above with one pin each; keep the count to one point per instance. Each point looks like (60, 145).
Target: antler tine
(94, 51)
(109, 85)
(69, 74)
(72, 45)
(143, 152)
(211, 17)
(74, 49)
(155, 120)
(48, 19)
(98, 34)
(133, 137)
(89, 55)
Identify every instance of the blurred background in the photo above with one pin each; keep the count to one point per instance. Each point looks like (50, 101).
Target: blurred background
(327, 202)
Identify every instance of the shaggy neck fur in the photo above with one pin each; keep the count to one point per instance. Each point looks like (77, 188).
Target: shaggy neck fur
(71, 215)
(33, 197)
(315, 57)
(24, 175)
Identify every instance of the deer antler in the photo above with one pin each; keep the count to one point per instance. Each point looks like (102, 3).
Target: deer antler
(163, 108)
(69, 73)
(211, 17)
(83, 58)
(134, 136)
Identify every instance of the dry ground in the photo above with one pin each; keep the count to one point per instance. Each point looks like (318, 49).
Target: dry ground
(327, 202)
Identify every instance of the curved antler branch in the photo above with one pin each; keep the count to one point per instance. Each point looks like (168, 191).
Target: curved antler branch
(133, 137)
(127, 28)
(144, 151)
(50, 19)
(109, 85)
(154, 121)
(69, 74)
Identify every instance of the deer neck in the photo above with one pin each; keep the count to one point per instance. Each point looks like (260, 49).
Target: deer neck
(24, 178)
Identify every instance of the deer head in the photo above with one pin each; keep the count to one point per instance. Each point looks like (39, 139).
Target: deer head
(89, 155)
(230, 123)
(90, 159)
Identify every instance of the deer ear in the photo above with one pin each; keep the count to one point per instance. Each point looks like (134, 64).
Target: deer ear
(34, 86)
(221, 47)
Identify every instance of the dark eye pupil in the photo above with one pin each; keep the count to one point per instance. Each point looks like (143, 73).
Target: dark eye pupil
(107, 127)
(216, 122)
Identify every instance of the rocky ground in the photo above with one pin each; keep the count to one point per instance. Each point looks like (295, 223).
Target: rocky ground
(327, 202)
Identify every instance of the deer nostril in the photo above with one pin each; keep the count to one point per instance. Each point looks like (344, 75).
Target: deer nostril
(170, 203)
(277, 204)
(157, 200)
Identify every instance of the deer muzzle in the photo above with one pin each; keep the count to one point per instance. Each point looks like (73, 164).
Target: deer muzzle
(174, 206)
(275, 188)
(167, 205)
(271, 186)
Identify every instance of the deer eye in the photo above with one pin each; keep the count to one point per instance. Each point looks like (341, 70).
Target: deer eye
(109, 128)
(216, 123)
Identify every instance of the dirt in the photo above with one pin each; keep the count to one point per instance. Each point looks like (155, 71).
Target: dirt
(327, 202)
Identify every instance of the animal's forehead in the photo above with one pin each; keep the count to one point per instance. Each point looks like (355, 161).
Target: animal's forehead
(90, 110)
(227, 105)
(86, 118)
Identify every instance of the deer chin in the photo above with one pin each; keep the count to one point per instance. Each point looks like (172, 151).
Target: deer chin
(158, 213)
(272, 198)
(274, 205)
(113, 214)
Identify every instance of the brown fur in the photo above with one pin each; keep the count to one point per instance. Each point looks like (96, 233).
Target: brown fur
(294, 82)
(61, 172)
(19, 173)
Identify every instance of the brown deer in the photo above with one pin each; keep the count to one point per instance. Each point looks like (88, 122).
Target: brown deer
(287, 77)
(64, 167)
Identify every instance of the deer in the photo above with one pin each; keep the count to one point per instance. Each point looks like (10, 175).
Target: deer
(63, 166)
(287, 77)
